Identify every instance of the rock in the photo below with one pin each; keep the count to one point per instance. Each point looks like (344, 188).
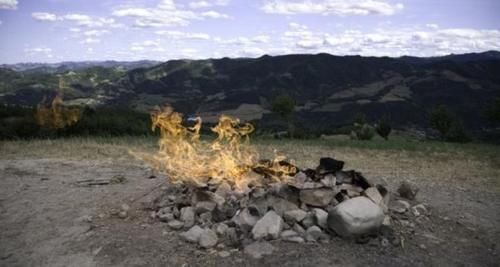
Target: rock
(329, 165)
(361, 181)
(321, 217)
(205, 218)
(399, 206)
(208, 239)
(245, 220)
(298, 229)
(221, 229)
(165, 217)
(231, 237)
(205, 206)
(125, 207)
(224, 254)
(175, 224)
(293, 216)
(223, 190)
(355, 216)
(187, 216)
(387, 220)
(374, 195)
(291, 236)
(418, 210)
(344, 177)
(123, 214)
(314, 234)
(280, 205)
(268, 227)
(193, 234)
(407, 190)
(329, 181)
(259, 249)
(317, 197)
(309, 220)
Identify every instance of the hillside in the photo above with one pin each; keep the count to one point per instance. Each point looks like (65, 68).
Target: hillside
(329, 90)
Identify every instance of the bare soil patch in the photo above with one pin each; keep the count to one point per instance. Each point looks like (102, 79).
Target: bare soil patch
(47, 219)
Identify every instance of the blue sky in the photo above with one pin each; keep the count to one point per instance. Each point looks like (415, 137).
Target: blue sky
(71, 30)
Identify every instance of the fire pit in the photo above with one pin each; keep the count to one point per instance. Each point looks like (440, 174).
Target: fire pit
(223, 195)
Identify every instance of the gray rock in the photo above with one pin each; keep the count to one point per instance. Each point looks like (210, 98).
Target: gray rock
(291, 236)
(298, 229)
(259, 249)
(123, 214)
(321, 217)
(208, 239)
(165, 217)
(329, 181)
(245, 220)
(223, 190)
(309, 220)
(221, 229)
(268, 227)
(407, 190)
(175, 224)
(187, 216)
(314, 234)
(374, 195)
(399, 206)
(293, 216)
(280, 205)
(193, 234)
(224, 254)
(419, 210)
(317, 197)
(205, 218)
(205, 206)
(355, 216)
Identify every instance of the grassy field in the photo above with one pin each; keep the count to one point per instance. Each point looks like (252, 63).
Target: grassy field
(436, 162)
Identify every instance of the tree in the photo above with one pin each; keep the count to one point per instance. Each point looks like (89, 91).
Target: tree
(450, 127)
(493, 111)
(383, 128)
(362, 131)
(284, 105)
(441, 120)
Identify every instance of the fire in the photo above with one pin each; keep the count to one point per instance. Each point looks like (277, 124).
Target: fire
(230, 158)
(56, 116)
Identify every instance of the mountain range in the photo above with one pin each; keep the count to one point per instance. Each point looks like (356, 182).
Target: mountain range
(329, 91)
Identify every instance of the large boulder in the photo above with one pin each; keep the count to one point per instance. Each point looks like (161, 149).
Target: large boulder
(268, 227)
(355, 216)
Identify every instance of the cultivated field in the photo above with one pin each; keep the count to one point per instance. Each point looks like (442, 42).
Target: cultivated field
(46, 219)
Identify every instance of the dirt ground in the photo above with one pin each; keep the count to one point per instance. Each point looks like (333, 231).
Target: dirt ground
(47, 220)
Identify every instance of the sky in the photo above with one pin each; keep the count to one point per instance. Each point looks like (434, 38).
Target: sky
(129, 30)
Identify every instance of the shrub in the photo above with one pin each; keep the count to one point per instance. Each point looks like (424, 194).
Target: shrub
(383, 128)
(362, 132)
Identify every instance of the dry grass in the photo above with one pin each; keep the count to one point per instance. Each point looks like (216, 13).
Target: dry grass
(471, 165)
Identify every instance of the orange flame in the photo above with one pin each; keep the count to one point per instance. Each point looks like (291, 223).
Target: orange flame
(229, 158)
(56, 116)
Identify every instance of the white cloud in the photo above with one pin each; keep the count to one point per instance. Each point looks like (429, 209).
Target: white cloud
(251, 52)
(331, 7)
(90, 40)
(205, 4)
(165, 14)
(95, 33)
(38, 51)
(44, 16)
(77, 17)
(8, 4)
(214, 15)
(183, 35)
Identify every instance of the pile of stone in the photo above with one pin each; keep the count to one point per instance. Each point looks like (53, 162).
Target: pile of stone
(313, 206)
